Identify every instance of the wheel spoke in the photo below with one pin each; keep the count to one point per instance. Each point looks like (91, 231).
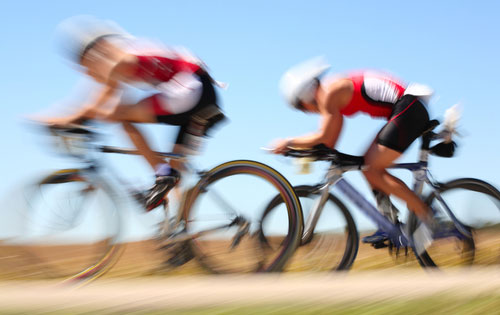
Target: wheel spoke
(333, 240)
(235, 193)
(68, 229)
(226, 206)
(471, 209)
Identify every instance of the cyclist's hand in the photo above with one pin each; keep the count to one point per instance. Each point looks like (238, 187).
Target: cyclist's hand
(280, 146)
(57, 121)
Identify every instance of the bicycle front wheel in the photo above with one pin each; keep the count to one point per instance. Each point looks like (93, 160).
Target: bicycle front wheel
(475, 204)
(69, 229)
(333, 243)
(223, 212)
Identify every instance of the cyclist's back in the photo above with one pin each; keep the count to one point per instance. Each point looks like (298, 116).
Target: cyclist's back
(374, 93)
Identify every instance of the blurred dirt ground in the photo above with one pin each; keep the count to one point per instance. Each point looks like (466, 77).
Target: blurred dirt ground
(120, 295)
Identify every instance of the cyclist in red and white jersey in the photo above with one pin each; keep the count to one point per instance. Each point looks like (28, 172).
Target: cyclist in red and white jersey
(181, 88)
(375, 94)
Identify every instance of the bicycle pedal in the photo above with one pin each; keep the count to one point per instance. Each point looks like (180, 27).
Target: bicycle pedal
(181, 257)
(138, 197)
(381, 244)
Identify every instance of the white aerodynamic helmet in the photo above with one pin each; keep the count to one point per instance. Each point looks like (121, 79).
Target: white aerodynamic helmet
(299, 83)
(76, 35)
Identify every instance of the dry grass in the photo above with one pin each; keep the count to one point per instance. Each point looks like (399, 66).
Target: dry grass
(143, 258)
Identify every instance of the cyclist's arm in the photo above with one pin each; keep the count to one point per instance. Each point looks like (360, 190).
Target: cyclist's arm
(103, 105)
(335, 97)
(328, 133)
(90, 111)
(96, 110)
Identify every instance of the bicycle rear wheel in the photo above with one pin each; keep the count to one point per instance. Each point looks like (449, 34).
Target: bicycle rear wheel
(69, 229)
(476, 205)
(223, 212)
(334, 242)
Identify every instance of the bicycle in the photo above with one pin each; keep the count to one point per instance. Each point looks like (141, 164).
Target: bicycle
(454, 244)
(73, 223)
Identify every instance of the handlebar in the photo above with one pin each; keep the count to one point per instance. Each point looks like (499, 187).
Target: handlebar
(323, 153)
(72, 129)
(80, 137)
(73, 139)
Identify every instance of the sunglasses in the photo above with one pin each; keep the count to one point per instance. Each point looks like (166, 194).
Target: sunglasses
(299, 105)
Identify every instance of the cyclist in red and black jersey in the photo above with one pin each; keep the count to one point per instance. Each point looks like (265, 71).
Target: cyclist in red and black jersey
(182, 88)
(367, 92)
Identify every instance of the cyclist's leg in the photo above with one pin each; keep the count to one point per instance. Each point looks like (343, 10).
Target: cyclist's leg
(179, 148)
(377, 159)
(171, 106)
(148, 111)
(179, 100)
(408, 121)
(384, 205)
(141, 112)
(190, 130)
(178, 165)
(188, 112)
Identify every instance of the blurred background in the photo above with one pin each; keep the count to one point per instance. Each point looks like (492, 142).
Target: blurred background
(452, 46)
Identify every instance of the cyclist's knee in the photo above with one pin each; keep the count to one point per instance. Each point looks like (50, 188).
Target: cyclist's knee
(373, 165)
(117, 113)
(370, 173)
(373, 173)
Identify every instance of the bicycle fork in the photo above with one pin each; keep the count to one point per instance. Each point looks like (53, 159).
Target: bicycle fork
(316, 211)
(462, 229)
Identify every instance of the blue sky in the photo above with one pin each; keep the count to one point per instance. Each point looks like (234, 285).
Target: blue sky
(452, 46)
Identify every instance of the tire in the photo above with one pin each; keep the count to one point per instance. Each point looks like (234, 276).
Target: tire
(335, 239)
(240, 189)
(476, 205)
(69, 229)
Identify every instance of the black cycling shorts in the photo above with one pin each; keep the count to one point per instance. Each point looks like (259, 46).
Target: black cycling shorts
(408, 121)
(208, 97)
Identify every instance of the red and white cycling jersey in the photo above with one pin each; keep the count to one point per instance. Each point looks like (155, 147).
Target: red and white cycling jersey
(374, 94)
(158, 69)
(173, 73)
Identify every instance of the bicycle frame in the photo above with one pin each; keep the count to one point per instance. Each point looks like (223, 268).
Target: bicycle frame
(172, 231)
(334, 178)
(168, 228)
(92, 165)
